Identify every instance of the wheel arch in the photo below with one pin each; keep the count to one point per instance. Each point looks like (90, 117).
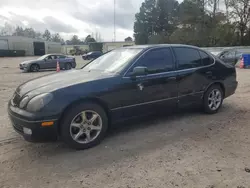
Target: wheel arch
(217, 83)
(85, 100)
(34, 64)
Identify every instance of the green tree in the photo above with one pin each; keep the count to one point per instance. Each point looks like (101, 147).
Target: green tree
(7, 29)
(56, 37)
(89, 39)
(19, 31)
(128, 39)
(241, 14)
(47, 35)
(29, 32)
(145, 22)
(75, 40)
(167, 12)
(159, 18)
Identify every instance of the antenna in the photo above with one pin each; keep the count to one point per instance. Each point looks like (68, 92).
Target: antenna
(114, 23)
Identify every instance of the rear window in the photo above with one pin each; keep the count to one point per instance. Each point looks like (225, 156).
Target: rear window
(206, 59)
(187, 58)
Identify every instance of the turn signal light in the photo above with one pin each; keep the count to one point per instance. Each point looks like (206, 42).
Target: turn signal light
(48, 123)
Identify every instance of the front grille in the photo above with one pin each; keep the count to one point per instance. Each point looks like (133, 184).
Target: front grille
(16, 99)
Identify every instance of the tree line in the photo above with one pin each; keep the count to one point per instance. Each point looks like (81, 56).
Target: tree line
(195, 22)
(9, 30)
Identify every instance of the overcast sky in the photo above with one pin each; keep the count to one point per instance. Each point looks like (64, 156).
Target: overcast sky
(69, 17)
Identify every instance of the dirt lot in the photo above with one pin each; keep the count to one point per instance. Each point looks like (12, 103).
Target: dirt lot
(188, 149)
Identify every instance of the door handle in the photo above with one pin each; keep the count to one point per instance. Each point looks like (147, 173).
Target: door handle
(171, 78)
(209, 73)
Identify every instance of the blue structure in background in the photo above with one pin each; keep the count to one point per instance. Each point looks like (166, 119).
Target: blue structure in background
(246, 60)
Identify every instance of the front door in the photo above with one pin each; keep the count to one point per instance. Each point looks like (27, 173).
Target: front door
(155, 91)
(51, 62)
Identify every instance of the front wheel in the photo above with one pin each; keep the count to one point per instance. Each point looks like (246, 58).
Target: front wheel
(84, 126)
(213, 99)
(34, 68)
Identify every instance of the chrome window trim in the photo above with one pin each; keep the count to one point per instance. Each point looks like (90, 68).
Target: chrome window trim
(176, 71)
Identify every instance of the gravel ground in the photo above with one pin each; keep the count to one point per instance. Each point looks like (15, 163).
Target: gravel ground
(188, 149)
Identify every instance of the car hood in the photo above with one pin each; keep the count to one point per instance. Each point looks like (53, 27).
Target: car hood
(60, 80)
(28, 61)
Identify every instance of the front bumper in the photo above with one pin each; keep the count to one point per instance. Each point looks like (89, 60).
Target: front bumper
(20, 119)
(22, 67)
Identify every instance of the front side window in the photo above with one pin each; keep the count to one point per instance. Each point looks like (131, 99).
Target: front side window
(187, 58)
(43, 57)
(62, 57)
(157, 61)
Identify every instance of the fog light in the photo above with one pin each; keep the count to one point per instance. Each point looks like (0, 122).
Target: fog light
(27, 131)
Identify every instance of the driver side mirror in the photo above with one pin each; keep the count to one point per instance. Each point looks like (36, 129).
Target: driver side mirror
(139, 71)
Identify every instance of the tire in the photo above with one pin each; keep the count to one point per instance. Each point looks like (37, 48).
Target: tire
(74, 114)
(213, 99)
(34, 68)
(68, 66)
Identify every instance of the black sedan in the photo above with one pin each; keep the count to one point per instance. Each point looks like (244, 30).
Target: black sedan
(79, 105)
(91, 55)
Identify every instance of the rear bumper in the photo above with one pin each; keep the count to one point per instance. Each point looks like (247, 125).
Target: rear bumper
(230, 89)
(38, 132)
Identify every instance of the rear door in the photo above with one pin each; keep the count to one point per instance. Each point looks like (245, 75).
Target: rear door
(62, 60)
(155, 91)
(194, 74)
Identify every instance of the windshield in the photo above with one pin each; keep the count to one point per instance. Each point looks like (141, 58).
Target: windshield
(113, 61)
(42, 57)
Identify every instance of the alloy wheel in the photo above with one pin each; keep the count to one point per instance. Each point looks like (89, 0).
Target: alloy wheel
(214, 99)
(86, 126)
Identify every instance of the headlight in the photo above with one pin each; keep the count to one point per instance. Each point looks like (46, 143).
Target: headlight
(38, 102)
(24, 102)
(24, 65)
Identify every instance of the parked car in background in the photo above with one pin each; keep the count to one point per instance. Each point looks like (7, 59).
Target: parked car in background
(48, 61)
(92, 55)
(232, 55)
(78, 106)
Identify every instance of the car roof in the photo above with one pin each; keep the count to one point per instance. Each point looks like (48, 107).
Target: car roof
(55, 54)
(159, 46)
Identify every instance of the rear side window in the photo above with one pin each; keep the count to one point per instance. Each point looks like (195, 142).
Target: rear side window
(187, 58)
(157, 60)
(62, 57)
(206, 59)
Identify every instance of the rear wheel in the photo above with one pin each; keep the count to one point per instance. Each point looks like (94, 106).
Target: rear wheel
(34, 68)
(213, 99)
(68, 66)
(84, 126)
